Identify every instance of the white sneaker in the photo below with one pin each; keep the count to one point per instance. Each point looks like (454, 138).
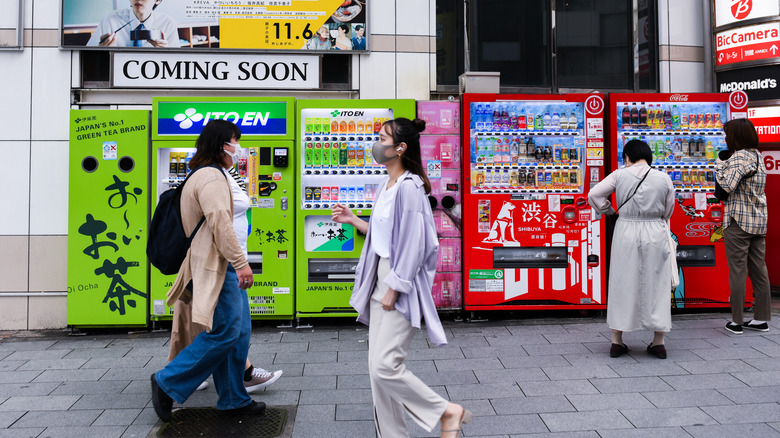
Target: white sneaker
(202, 386)
(261, 378)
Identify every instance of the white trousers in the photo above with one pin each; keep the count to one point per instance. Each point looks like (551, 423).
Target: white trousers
(394, 388)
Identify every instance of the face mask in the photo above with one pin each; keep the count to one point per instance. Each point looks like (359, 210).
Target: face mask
(235, 155)
(378, 152)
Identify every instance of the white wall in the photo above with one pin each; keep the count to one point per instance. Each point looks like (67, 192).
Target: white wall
(682, 29)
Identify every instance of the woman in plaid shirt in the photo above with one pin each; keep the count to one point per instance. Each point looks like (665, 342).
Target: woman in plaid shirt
(743, 176)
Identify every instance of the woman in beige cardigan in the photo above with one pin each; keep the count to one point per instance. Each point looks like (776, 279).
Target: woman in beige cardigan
(220, 275)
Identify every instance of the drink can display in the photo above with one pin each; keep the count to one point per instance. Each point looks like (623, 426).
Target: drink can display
(309, 155)
(360, 156)
(710, 175)
(360, 194)
(565, 155)
(334, 154)
(317, 193)
(343, 154)
(317, 158)
(308, 193)
(514, 178)
(317, 125)
(334, 126)
(505, 177)
(309, 125)
(573, 155)
(334, 193)
(369, 159)
(548, 178)
(685, 177)
(326, 125)
(557, 154)
(351, 155)
(343, 194)
(326, 154)
(352, 194)
(676, 177)
(574, 178)
(702, 177)
(540, 178)
(709, 123)
(556, 178)
(479, 180)
(700, 123)
(325, 196)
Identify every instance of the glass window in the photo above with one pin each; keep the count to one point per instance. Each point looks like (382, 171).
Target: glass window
(595, 44)
(449, 41)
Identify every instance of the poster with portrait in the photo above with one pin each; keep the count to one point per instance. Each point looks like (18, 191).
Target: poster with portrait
(211, 25)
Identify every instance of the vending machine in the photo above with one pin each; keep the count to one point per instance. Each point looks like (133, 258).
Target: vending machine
(441, 150)
(267, 169)
(334, 165)
(685, 134)
(530, 239)
(108, 195)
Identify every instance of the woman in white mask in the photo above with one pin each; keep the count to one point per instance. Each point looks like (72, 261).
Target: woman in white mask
(393, 282)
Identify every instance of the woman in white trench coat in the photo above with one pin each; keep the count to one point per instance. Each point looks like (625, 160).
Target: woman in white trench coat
(639, 294)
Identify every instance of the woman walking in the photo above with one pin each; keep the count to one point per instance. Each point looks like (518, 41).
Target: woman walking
(640, 274)
(393, 282)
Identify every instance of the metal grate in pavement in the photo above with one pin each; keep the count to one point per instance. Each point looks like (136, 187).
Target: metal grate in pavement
(208, 422)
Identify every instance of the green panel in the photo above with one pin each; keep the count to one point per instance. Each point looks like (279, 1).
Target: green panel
(107, 217)
(182, 118)
(326, 248)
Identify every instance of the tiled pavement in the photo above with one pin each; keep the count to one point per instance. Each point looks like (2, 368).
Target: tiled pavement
(528, 377)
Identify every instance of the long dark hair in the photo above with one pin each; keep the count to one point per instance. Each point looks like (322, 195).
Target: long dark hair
(215, 134)
(408, 131)
(740, 134)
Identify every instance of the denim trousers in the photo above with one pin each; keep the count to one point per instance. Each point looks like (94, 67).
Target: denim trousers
(222, 352)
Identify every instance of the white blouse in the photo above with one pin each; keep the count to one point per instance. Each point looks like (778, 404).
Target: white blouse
(382, 221)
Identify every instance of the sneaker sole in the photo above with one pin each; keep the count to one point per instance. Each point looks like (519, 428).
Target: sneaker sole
(264, 384)
(756, 329)
(732, 331)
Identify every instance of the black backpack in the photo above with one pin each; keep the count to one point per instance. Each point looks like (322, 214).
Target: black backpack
(167, 243)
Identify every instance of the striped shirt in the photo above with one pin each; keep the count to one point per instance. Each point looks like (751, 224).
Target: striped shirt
(239, 179)
(747, 202)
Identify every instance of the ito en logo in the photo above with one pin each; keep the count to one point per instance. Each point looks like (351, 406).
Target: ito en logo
(740, 9)
(185, 120)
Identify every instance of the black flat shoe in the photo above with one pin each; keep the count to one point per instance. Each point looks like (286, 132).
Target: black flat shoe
(618, 350)
(254, 408)
(658, 351)
(163, 403)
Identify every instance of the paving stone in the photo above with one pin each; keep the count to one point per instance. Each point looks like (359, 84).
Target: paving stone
(53, 364)
(732, 430)
(769, 350)
(358, 332)
(39, 403)
(654, 432)
(416, 366)
(7, 418)
(590, 371)
(306, 357)
(334, 429)
(582, 434)
(294, 383)
(483, 390)
(337, 368)
(511, 375)
(745, 340)
(558, 387)
(775, 426)
(518, 340)
(465, 377)
(308, 335)
(81, 432)
(552, 360)
(37, 355)
(542, 329)
(138, 431)
(728, 353)
(686, 398)
(749, 413)
(71, 343)
(11, 365)
(532, 405)
(27, 432)
(482, 352)
(353, 381)
(27, 389)
(468, 364)
(576, 337)
(480, 330)
(117, 417)
(291, 369)
(716, 366)
(577, 421)
(555, 349)
(653, 368)
(599, 355)
(703, 333)
(69, 375)
(113, 401)
(316, 413)
(63, 418)
(337, 396)
(124, 374)
(159, 340)
(759, 378)
(148, 351)
(630, 384)
(767, 394)
(764, 364)
(350, 345)
(353, 412)
(504, 425)
(686, 416)
(467, 341)
(604, 402)
(146, 417)
(354, 356)
(94, 353)
(13, 345)
(282, 347)
(117, 362)
(703, 381)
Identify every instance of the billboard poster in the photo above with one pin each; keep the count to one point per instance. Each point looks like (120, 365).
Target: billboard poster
(212, 25)
(737, 11)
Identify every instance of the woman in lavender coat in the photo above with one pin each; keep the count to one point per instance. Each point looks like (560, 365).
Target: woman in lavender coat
(393, 282)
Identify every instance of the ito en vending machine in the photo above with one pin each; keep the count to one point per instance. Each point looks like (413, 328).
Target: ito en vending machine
(685, 134)
(440, 147)
(266, 167)
(334, 165)
(530, 239)
(107, 216)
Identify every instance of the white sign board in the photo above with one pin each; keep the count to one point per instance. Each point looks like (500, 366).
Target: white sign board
(732, 11)
(204, 70)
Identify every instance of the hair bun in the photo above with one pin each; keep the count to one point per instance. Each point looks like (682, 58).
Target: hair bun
(419, 124)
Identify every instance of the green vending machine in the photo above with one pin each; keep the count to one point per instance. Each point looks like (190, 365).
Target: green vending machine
(267, 168)
(108, 206)
(335, 166)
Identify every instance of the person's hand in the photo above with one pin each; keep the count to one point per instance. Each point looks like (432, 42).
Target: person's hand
(342, 214)
(108, 39)
(245, 278)
(388, 301)
(162, 42)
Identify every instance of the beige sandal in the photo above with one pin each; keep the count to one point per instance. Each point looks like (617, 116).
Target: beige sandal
(464, 419)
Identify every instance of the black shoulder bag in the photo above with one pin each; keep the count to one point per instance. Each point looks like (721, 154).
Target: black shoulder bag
(722, 194)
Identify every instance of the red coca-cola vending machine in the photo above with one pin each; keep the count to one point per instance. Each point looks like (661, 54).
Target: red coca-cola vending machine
(530, 239)
(685, 133)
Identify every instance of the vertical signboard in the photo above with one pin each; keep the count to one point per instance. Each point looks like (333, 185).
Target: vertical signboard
(107, 218)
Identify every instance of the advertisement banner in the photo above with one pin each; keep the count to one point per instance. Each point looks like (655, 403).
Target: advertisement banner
(253, 118)
(766, 119)
(760, 83)
(212, 25)
(749, 43)
(732, 11)
(201, 70)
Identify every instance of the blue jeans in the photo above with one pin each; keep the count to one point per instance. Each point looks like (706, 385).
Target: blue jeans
(222, 352)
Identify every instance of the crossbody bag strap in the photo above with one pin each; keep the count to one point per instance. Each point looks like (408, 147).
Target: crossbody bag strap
(635, 189)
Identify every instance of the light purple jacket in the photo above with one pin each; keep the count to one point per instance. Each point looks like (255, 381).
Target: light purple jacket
(413, 249)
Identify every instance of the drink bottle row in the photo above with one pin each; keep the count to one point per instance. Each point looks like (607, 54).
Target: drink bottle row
(509, 116)
(666, 117)
(691, 150)
(343, 125)
(326, 154)
(344, 194)
(514, 150)
(540, 179)
(179, 166)
(692, 178)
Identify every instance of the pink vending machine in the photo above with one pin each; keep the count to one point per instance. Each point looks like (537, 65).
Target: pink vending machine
(440, 143)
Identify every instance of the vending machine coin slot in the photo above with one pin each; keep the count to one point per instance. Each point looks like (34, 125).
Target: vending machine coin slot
(332, 270)
(264, 157)
(255, 260)
(531, 257)
(695, 255)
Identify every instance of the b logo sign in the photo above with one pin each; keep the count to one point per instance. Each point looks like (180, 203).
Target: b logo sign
(741, 8)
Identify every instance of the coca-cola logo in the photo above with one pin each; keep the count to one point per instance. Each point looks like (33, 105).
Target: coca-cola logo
(679, 98)
(741, 8)
(738, 99)
(594, 105)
